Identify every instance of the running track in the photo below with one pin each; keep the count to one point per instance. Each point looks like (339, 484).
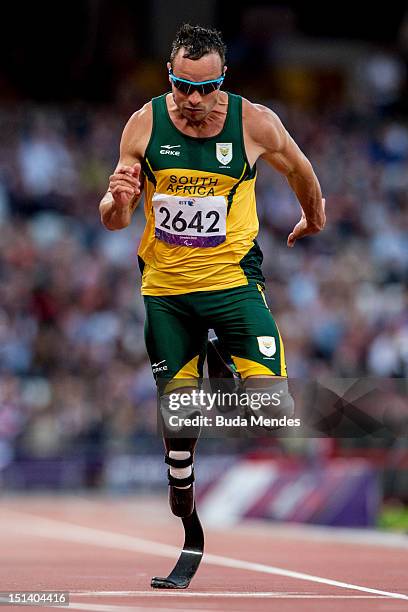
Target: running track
(105, 550)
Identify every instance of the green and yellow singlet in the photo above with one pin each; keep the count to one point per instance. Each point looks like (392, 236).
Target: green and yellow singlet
(200, 208)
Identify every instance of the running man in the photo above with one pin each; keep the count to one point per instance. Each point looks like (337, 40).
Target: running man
(194, 151)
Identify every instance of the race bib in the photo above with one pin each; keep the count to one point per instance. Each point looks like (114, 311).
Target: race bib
(190, 221)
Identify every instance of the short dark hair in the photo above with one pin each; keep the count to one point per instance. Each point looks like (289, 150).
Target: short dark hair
(198, 41)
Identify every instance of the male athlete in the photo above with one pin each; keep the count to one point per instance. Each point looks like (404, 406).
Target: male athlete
(193, 151)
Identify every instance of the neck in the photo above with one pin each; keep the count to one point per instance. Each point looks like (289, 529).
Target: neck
(210, 125)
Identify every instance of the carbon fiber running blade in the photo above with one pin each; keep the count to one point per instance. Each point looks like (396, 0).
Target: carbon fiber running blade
(190, 557)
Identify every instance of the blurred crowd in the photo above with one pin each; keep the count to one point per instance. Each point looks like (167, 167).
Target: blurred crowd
(73, 364)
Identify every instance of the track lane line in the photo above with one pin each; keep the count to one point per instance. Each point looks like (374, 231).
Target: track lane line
(321, 533)
(222, 594)
(63, 530)
(116, 608)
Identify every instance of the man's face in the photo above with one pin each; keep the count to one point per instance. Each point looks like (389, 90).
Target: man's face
(195, 107)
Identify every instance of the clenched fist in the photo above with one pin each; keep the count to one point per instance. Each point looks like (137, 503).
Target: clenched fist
(124, 184)
(305, 228)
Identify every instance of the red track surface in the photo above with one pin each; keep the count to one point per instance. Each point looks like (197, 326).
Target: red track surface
(107, 567)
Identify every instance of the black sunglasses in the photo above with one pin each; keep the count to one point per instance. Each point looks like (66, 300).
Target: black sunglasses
(203, 87)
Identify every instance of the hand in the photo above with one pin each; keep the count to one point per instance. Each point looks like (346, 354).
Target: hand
(304, 228)
(124, 184)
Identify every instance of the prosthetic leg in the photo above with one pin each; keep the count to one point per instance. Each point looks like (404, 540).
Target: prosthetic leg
(179, 457)
(190, 558)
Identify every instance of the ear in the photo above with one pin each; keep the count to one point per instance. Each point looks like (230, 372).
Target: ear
(225, 69)
(168, 65)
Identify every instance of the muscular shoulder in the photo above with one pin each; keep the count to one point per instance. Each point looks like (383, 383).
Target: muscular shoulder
(262, 127)
(141, 119)
(136, 133)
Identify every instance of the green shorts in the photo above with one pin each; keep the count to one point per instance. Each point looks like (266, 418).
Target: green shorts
(176, 332)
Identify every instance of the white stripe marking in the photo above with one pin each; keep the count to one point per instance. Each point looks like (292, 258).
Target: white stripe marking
(220, 594)
(192, 552)
(63, 530)
(104, 608)
(108, 608)
(320, 533)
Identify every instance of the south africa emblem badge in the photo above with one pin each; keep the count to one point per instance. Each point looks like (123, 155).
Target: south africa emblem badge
(223, 152)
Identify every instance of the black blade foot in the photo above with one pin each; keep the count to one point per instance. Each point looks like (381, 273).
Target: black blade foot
(190, 557)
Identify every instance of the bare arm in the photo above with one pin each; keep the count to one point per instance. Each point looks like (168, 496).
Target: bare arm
(126, 182)
(267, 138)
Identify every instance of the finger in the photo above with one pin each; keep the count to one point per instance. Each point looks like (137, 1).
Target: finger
(291, 240)
(136, 168)
(132, 193)
(122, 190)
(134, 187)
(126, 170)
(124, 179)
(124, 176)
(124, 185)
(125, 188)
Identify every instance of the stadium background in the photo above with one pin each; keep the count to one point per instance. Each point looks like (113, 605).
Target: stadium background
(77, 405)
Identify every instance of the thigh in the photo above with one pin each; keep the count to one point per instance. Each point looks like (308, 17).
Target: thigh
(175, 341)
(246, 327)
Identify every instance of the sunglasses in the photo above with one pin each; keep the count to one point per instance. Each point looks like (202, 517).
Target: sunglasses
(203, 87)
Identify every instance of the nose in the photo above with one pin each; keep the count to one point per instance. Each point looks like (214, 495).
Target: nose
(194, 98)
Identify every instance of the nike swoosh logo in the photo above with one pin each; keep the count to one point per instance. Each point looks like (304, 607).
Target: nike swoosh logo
(170, 146)
(154, 365)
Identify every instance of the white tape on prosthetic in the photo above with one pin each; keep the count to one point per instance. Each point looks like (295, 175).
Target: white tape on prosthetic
(180, 472)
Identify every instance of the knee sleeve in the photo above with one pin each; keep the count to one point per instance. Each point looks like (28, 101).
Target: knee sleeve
(272, 399)
(177, 435)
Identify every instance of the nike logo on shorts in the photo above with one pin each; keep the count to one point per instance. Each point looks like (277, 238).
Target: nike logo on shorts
(154, 365)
